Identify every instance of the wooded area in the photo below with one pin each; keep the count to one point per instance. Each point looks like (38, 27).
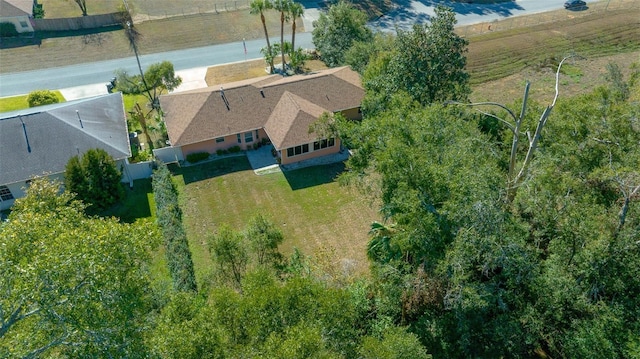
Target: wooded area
(510, 230)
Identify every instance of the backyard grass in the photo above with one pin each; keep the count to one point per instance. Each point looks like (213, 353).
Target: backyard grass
(316, 215)
(137, 204)
(14, 103)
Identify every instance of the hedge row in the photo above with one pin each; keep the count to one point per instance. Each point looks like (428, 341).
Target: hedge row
(169, 218)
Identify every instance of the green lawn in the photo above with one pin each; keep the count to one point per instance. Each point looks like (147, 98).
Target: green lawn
(14, 103)
(137, 204)
(323, 219)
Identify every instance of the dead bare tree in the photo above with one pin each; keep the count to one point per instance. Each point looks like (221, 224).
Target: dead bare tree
(518, 172)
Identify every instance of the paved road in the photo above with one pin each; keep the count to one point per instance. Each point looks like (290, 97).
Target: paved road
(101, 72)
(466, 14)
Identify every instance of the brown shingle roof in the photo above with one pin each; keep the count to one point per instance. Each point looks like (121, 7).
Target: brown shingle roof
(202, 114)
(289, 122)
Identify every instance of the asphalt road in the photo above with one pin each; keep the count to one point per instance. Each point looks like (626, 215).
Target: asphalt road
(403, 17)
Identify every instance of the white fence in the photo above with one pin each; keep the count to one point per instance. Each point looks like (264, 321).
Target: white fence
(139, 170)
(168, 154)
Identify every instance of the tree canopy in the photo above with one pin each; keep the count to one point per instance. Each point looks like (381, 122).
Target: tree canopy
(553, 272)
(158, 78)
(336, 31)
(71, 285)
(427, 62)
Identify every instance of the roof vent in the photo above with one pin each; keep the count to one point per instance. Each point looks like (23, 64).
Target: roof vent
(26, 137)
(79, 119)
(224, 98)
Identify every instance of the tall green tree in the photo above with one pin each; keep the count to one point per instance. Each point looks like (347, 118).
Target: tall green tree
(157, 79)
(336, 31)
(427, 62)
(95, 179)
(283, 6)
(71, 285)
(264, 238)
(295, 11)
(186, 329)
(259, 7)
(229, 252)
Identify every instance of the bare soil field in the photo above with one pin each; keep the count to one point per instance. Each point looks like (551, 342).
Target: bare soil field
(594, 34)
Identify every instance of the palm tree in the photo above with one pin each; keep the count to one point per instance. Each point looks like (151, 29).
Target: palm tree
(295, 11)
(134, 36)
(283, 6)
(258, 7)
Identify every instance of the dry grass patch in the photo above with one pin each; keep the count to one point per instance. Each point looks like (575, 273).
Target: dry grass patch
(238, 71)
(157, 36)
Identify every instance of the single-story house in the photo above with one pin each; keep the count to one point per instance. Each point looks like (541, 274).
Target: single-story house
(18, 13)
(280, 109)
(39, 141)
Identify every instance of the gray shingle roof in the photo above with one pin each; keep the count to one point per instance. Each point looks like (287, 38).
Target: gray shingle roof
(202, 114)
(11, 8)
(41, 140)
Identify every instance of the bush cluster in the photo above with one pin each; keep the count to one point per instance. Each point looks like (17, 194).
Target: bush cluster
(169, 216)
(42, 97)
(197, 157)
(8, 29)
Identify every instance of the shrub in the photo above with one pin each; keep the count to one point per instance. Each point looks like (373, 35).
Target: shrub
(38, 11)
(8, 29)
(235, 149)
(42, 97)
(197, 157)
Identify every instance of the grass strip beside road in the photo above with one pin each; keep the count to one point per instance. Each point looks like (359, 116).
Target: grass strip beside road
(14, 103)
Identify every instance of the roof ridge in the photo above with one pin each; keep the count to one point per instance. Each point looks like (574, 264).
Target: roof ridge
(80, 129)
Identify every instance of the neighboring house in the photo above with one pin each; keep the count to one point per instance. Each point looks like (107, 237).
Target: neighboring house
(278, 108)
(39, 141)
(18, 13)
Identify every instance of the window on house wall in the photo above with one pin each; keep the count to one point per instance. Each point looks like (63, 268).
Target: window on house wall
(297, 150)
(239, 138)
(5, 194)
(24, 24)
(257, 135)
(248, 137)
(318, 145)
(219, 139)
